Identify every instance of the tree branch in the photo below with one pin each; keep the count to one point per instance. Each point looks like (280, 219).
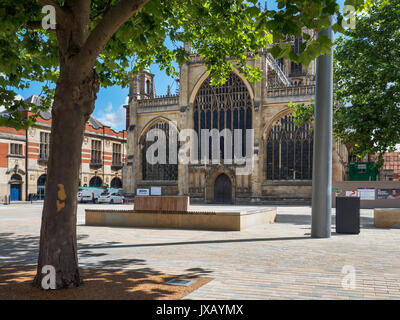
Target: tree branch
(101, 12)
(36, 25)
(50, 3)
(112, 21)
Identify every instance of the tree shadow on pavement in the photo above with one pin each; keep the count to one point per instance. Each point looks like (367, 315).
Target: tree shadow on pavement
(23, 250)
(20, 249)
(99, 284)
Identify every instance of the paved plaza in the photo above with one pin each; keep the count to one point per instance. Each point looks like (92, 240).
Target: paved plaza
(277, 261)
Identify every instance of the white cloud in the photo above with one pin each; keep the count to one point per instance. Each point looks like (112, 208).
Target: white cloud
(17, 97)
(113, 117)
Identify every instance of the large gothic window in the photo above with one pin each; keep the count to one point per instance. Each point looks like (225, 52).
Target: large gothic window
(289, 151)
(226, 107)
(159, 171)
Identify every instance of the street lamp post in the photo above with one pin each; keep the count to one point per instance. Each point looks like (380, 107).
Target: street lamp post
(322, 158)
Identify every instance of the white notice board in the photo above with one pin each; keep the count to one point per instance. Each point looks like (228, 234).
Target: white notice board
(366, 193)
(156, 191)
(142, 192)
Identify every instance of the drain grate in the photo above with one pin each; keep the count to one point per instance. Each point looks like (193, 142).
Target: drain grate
(180, 282)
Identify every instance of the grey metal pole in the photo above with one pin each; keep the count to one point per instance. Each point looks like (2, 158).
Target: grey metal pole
(322, 159)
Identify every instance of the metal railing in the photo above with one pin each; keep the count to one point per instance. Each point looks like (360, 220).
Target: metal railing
(274, 65)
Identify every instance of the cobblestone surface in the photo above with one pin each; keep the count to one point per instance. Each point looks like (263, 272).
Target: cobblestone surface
(278, 261)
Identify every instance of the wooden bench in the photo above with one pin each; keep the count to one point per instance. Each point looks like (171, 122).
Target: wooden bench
(387, 217)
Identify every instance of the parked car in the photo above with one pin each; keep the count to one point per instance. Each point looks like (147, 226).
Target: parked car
(111, 197)
(89, 195)
(119, 191)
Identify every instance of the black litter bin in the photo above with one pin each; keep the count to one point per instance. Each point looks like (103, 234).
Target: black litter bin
(348, 215)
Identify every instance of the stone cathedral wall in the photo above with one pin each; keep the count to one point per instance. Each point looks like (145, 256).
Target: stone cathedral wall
(197, 181)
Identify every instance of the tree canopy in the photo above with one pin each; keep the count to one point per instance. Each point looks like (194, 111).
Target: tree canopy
(120, 42)
(367, 78)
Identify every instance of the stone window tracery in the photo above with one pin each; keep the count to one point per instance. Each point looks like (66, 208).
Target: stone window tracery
(289, 151)
(226, 107)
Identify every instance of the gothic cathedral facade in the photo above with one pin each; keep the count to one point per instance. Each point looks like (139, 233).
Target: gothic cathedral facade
(283, 152)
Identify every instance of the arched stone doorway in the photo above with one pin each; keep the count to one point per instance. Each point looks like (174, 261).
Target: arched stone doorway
(96, 182)
(223, 189)
(15, 187)
(41, 182)
(211, 178)
(116, 183)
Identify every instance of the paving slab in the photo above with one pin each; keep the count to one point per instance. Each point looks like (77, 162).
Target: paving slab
(264, 262)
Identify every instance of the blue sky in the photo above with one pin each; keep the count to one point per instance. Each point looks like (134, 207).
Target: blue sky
(109, 104)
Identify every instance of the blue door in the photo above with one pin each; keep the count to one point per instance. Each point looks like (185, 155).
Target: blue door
(15, 192)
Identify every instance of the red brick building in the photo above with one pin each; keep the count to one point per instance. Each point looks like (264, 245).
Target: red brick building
(24, 155)
(391, 168)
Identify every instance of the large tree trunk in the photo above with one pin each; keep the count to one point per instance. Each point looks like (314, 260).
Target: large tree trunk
(73, 104)
(74, 100)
